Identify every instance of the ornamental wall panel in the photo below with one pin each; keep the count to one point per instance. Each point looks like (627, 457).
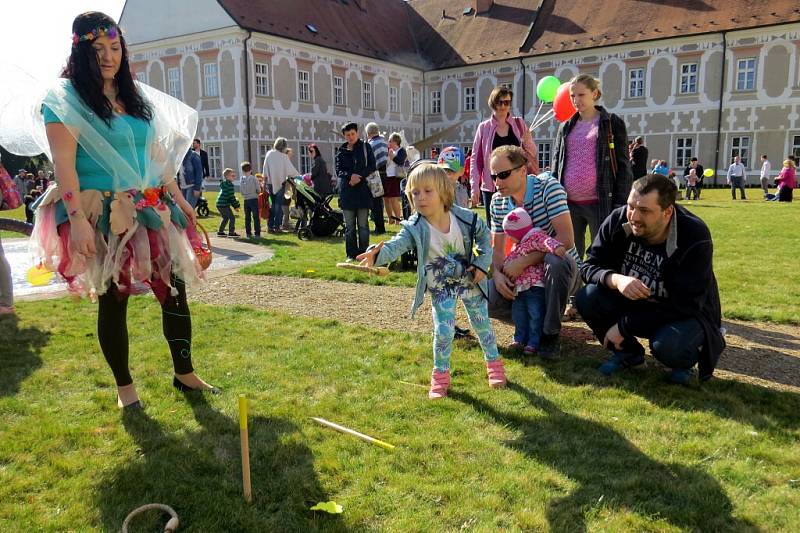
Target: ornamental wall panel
(227, 79)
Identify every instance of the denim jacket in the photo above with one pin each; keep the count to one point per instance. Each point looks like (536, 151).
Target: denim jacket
(415, 234)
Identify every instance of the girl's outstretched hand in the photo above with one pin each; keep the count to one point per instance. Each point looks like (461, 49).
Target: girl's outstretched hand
(368, 257)
(477, 274)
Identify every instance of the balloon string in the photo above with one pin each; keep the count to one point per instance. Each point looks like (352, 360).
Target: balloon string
(536, 116)
(547, 116)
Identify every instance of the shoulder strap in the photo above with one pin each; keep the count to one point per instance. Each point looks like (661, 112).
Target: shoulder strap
(611, 149)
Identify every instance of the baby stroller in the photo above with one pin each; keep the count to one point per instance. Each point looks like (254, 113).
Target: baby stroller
(316, 216)
(202, 207)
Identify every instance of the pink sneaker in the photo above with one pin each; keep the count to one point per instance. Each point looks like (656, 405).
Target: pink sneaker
(440, 382)
(497, 375)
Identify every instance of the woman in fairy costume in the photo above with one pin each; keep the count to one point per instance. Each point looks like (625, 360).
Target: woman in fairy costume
(116, 220)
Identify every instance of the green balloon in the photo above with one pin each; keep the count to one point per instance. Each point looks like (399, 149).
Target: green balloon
(547, 87)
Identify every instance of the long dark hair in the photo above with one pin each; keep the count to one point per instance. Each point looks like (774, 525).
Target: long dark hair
(83, 71)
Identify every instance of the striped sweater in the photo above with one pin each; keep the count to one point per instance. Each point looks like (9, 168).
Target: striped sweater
(227, 196)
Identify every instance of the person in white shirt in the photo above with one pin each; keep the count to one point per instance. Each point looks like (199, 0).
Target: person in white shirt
(277, 167)
(736, 177)
(765, 168)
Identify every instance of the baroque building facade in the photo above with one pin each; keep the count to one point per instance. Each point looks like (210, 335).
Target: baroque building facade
(706, 94)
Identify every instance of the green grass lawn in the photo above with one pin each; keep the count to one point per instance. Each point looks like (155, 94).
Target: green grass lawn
(560, 449)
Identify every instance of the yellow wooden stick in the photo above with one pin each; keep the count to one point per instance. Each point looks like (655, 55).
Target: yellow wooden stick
(378, 271)
(354, 433)
(248, 492)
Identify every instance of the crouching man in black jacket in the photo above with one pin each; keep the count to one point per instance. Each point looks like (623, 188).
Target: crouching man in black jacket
(649, 274)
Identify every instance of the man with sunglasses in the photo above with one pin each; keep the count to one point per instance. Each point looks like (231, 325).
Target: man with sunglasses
(546, 202)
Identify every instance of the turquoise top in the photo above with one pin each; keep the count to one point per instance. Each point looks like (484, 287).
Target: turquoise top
(91, 175)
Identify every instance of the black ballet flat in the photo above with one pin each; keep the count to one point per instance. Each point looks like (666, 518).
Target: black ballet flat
(185, 388)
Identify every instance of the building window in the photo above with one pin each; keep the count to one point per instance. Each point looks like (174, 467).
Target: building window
(262, 79)
(689, 78)
(211, 84)
(469, 98)
(741, 146)
(415, 102)
(636, 83)
(746, 74)
(544, 155)
(393, 99)
(338, 90)
(305, 160)
(796, 145)
(303, 86)
(214, 160)
(262, 155)
(142, 76)
(174, 82)
(436, 102)
(684, 150)
(366, 94)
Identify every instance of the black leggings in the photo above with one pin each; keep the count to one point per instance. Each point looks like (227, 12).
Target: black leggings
(112, 331)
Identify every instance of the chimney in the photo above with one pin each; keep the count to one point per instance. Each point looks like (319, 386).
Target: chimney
(482, 6)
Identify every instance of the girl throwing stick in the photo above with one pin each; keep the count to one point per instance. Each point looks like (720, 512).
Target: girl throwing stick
(452, 244)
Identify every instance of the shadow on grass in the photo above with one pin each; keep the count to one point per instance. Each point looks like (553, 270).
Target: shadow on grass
(199, 474)
(19, 353)
(767, 409)
(766, 337)
(609, 471)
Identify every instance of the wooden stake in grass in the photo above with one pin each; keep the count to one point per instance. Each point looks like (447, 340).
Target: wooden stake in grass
(378, 271)
(354, 433)
(248, 493)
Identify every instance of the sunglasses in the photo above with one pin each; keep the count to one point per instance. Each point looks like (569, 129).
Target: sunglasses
(504, 102)
(504, 174)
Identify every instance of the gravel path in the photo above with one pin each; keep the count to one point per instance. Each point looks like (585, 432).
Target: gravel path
(759, 353)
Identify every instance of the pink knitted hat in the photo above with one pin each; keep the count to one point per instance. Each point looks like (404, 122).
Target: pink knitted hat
(517, 224)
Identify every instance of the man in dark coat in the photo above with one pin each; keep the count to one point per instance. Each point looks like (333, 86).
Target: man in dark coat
(197, 147)
(639, 155)
(649, 274)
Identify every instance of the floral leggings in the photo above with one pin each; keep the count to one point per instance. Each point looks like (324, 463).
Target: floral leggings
(444, 323)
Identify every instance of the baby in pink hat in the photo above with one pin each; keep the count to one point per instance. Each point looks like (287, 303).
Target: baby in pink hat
(528, 307)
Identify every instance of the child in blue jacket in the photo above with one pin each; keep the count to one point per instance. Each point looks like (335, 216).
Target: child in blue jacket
(454, 254)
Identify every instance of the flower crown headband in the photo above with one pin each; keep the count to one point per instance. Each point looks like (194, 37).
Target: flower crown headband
(101, 31)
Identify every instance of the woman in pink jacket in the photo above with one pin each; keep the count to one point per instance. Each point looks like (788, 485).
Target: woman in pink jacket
(499, 130)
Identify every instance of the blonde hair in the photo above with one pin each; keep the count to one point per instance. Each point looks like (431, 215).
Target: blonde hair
(430, 174)
(789, 163)
(228, 171)
(588, 81)
(395, 138)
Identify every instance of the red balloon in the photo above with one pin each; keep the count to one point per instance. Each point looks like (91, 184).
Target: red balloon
(562, 104)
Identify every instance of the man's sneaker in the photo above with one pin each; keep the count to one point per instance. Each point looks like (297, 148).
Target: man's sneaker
(233, 234)
(461, 333)
(515, 346)
(440, 382)
(550, 346)
(620, 361)
(221, 234)
(681, 376)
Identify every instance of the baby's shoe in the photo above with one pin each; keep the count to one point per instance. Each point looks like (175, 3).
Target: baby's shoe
(497, 375)
(440, 382)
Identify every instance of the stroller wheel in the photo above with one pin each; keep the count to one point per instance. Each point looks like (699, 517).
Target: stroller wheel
(304, 233)
(340, 232)
(202, 211)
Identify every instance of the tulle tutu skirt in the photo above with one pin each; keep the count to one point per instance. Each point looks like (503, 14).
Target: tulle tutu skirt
(142, 243)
